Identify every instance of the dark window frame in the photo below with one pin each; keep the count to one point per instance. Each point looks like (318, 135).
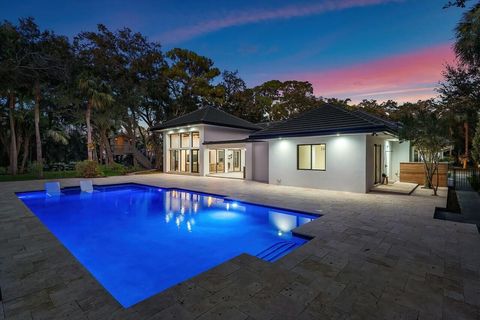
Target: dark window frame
(191, 139)
(311, 156)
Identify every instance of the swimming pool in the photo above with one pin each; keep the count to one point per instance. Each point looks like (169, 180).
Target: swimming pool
(138, 240)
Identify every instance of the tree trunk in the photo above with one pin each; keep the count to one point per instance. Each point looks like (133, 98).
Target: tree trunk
(13, 138)
(101, 148)
(89, 132)
(26, 149)
(465, 160)
(38, 139)
(108, 148)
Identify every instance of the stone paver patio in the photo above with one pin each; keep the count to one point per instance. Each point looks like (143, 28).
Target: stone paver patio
(373, 256)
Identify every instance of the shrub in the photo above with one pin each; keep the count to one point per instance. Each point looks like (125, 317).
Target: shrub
(3, 170)
(36, 169)
(115, 169)
(135, 168)
(475, 182)
(88, 169)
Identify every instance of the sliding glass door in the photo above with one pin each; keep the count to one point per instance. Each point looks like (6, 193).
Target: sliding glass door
(237, 160)
(216, 160)
(184, 152)
(174, 160)
(195, 161)
(185, 160)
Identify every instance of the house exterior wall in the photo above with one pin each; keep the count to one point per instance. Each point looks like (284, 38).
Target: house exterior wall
(400, 153)
(371, 141)
(215, 133)
(207, 133)
(260, 162)
(166, 145)
(345, 168)
(393, 152)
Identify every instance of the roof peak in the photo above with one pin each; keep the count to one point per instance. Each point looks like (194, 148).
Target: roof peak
(325, 119)
(208, 115)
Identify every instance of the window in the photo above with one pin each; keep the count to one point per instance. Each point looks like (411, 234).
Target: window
(304, 157)
(195, 139)
(185, 140)
(195, 160)
(311, 157)
(174, 160)
(184, 153)
(175, 140)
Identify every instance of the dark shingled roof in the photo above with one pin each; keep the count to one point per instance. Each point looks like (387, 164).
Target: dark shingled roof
(325, 120)
(207, 115)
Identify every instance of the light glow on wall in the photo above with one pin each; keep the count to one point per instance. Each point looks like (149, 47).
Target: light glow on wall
(283, 144)
(283, 222)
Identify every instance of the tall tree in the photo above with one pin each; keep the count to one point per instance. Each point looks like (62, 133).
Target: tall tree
(97, 95)
(278, 100)
(426, 129)
(190, 78)
(476, 144)
(12, 57)
(460, 94)
(467, 43)
(45, 66)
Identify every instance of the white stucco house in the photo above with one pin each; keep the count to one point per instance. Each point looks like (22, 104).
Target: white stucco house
(329, 147)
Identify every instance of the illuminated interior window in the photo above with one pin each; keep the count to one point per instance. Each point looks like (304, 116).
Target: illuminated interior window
(175, 140)
(311, 157)
(185, 140)
(318, 157)
(195, 139)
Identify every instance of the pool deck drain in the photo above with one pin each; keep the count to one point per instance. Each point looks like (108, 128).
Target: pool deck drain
(372, 256)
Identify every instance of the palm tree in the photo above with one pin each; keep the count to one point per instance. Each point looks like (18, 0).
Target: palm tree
(467, 45)
(98, 96)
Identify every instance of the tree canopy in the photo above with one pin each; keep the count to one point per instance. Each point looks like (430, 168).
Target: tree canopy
(68, 99)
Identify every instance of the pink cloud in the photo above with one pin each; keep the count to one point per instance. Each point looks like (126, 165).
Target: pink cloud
(247, 17)
(412, 74)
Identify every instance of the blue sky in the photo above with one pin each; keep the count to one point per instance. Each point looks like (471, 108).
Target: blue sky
(347, 48)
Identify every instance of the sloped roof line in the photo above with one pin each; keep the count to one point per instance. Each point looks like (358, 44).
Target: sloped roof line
(326, 119)
(207, 115)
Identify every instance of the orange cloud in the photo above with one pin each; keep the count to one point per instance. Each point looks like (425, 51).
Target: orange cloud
(248, 17)
(414, 74)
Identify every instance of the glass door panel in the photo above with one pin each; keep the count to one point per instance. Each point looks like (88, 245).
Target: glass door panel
(237, 160)
(212, 162)
(174, 160)
(195, 161)
(185, 160)
(220, 160)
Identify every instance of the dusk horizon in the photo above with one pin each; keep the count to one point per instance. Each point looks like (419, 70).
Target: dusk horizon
(355, 49)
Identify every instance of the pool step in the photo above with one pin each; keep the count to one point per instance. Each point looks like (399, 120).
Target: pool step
(277, 250)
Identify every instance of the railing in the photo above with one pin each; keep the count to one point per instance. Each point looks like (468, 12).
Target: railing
(128, 149)
(463, 179)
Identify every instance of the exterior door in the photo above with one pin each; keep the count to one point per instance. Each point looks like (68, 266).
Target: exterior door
(195, 161)
(185, 160)
(216, 160)
(220, 160)
(237, 160)
(174, 160)
(377, 162)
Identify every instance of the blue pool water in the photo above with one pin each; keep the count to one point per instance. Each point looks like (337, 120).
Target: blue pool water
(138, 240)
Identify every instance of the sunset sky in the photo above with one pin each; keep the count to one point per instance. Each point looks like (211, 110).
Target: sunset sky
(358, 49)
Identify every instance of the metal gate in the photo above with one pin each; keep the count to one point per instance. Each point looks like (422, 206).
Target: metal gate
(463, 179)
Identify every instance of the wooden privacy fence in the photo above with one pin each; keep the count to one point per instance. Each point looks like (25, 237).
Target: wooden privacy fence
(414, 172)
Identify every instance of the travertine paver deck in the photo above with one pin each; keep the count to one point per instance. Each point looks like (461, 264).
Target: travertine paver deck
(397, 187)
(374, 256)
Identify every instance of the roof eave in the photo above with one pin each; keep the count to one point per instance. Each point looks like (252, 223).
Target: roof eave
(325, 132)
(161, 128)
